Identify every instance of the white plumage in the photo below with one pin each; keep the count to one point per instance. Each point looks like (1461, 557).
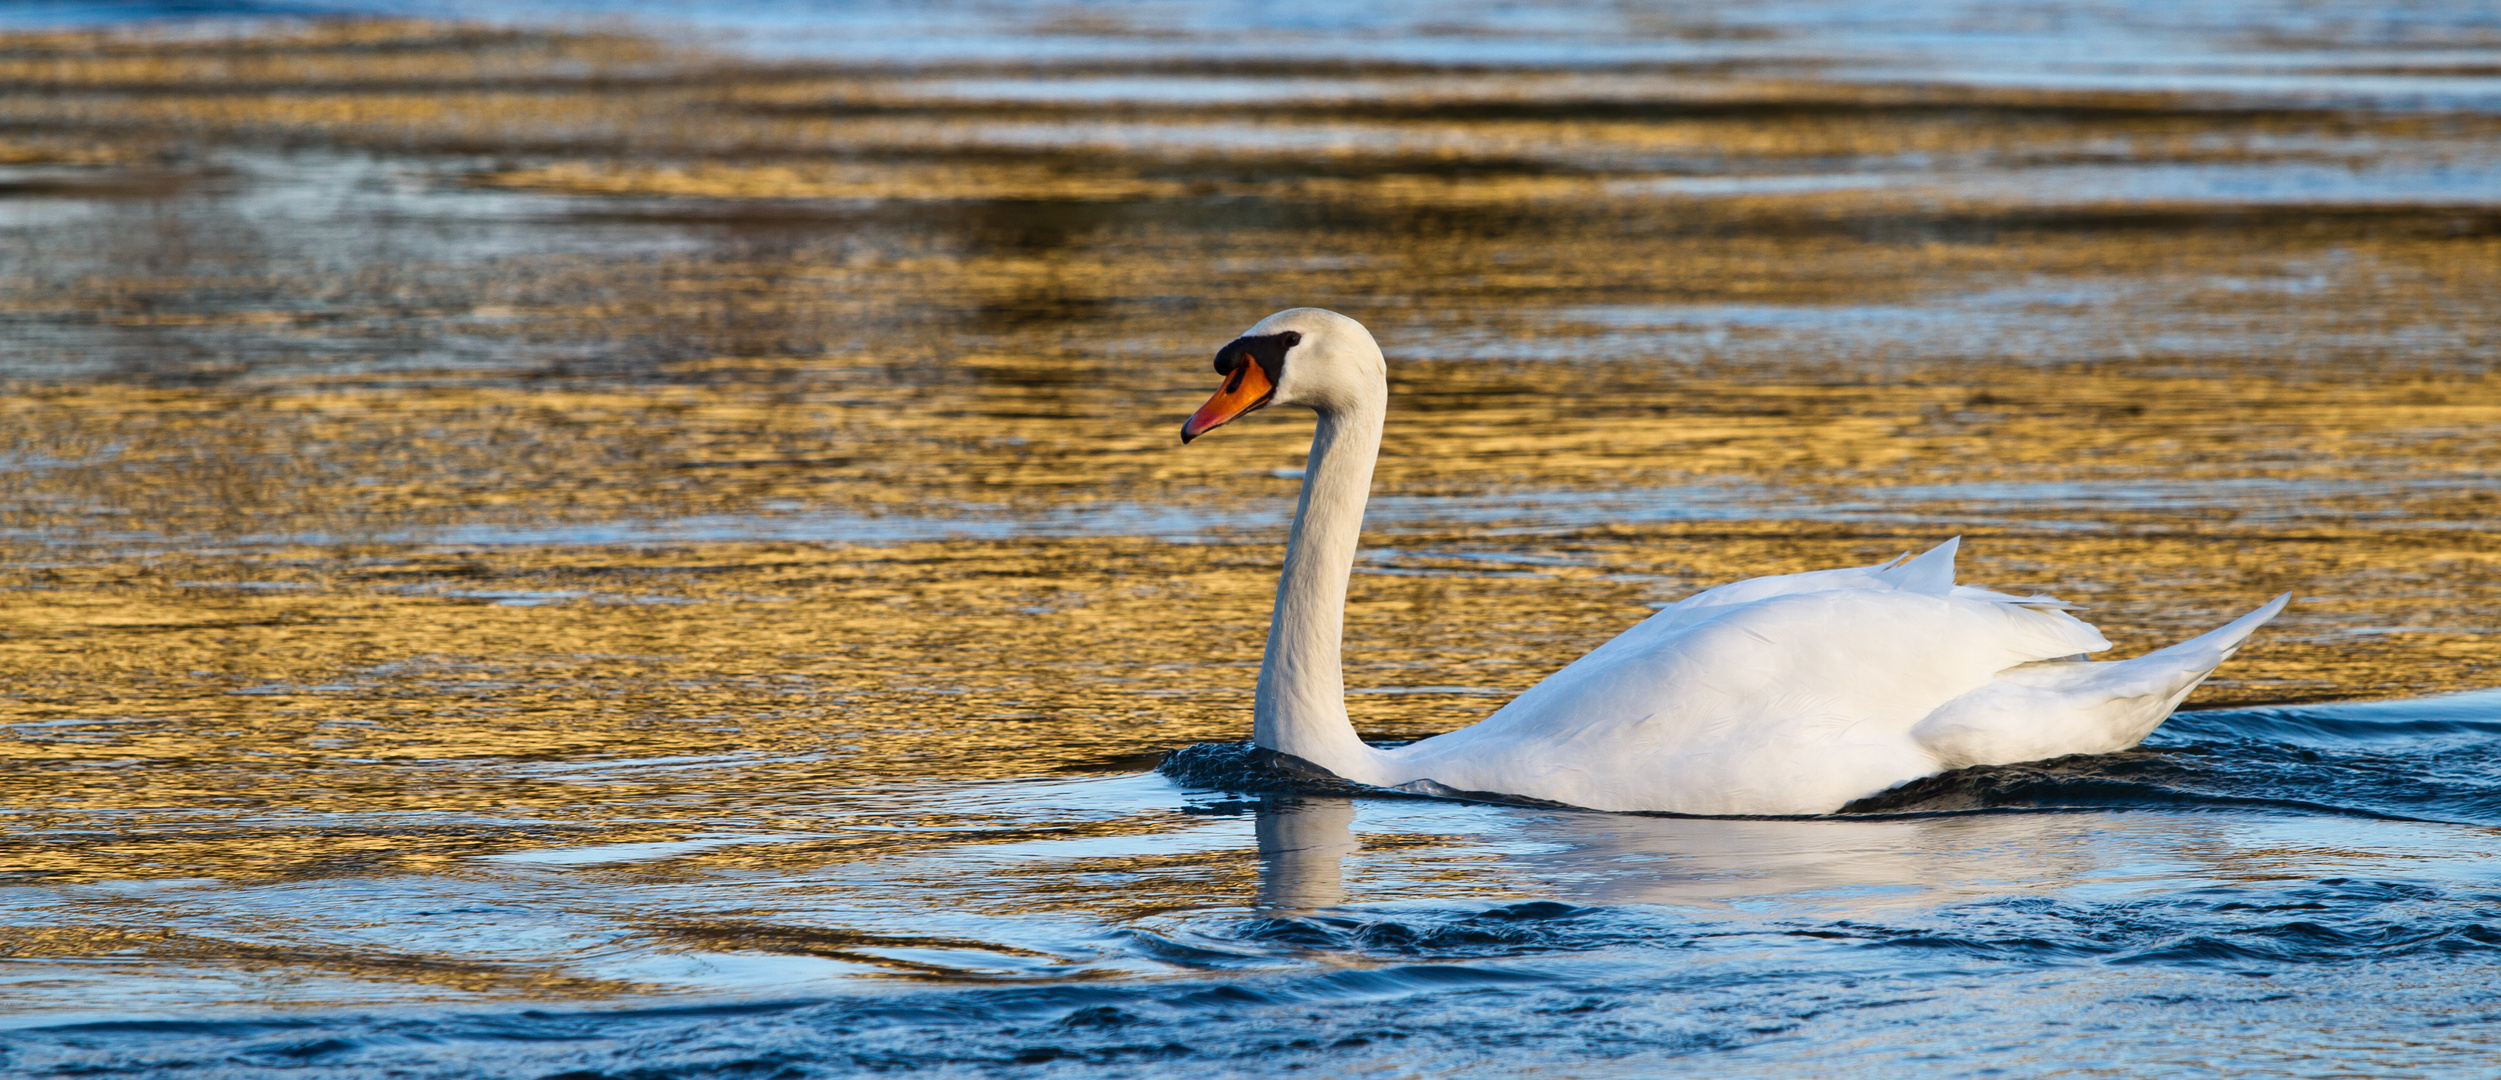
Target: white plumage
(1793, 694)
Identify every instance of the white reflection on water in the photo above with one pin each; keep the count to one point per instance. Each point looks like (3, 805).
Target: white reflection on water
(1838, 869)
(1303, 845)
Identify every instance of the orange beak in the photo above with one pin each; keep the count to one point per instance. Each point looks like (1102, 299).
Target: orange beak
(1246, 389)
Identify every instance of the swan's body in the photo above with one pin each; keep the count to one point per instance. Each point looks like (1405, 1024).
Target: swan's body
(1793, 694)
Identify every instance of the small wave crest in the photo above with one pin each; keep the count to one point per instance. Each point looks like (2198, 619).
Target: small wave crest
(2448, 721)
(1529, 928)
(2328, 921)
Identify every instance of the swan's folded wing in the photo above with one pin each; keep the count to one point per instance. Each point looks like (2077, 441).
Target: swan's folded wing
(1880, 660)
(1780, 695)
(2024, 621)
(1931, 574)
(1792, 704)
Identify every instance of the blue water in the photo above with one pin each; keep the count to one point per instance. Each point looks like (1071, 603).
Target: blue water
(2256, 892)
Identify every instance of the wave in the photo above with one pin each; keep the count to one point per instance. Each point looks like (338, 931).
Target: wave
(2466, 720)
(1415, 990)
(1539, 927)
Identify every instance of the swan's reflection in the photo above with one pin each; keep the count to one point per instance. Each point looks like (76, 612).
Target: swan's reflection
(1303, 844)
(1831, 866)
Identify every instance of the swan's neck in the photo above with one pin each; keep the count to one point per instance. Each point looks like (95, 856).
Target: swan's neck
(1301, 708)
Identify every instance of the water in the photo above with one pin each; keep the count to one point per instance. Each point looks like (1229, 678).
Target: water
(2259, 890)
(644, 540)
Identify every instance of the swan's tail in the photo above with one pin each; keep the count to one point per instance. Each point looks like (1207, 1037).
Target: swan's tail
(2222, 641)
(2053, 709)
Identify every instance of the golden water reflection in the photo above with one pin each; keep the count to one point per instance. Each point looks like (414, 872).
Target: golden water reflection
(500, 466)
(639, 692)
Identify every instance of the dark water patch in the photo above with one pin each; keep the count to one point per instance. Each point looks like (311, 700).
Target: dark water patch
(1542, 927)
(901, 956)
(88, 183)
(2329, 921)
(2452, 720)
(299, 1050)
(1378, 1015)
(1067, 99)
(1668, 200)
(1250, 769)
(252, 1027)
(1246, 768)
(1198, 955)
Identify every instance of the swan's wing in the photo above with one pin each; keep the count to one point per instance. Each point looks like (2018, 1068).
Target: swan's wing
(1931, 574)
(2053, 709)
(1790, 704)
(1797, 694)
(1861, 658)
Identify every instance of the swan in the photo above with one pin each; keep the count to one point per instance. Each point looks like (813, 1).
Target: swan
(1786, 695)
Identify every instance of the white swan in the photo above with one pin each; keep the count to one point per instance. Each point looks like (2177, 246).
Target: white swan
(1777, 695)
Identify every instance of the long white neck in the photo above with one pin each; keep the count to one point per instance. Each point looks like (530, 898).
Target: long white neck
(1301, 708)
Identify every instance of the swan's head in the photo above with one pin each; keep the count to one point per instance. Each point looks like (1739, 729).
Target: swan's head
(1302, 356)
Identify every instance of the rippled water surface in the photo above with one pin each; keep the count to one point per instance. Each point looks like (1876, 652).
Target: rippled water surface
(645, 540)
